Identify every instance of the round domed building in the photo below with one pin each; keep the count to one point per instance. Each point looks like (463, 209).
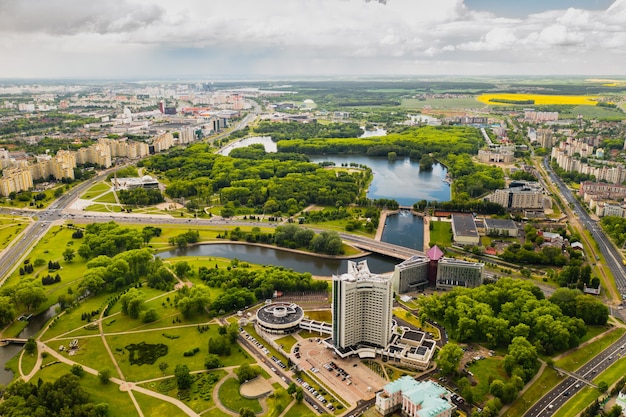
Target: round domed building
(279, 318)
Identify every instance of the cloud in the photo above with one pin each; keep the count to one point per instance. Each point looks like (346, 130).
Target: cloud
(332, 36)
(75, 17)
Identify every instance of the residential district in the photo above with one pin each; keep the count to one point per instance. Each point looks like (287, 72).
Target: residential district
(542, 229)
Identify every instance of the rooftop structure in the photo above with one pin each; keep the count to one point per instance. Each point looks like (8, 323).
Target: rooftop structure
(280, 318)
(464, 229)
(500, 227)
(130, 183)
(413, 398)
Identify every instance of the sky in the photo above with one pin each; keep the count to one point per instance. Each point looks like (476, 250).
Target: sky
(169, 39)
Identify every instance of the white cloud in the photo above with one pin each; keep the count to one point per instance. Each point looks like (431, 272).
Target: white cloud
(316, 36)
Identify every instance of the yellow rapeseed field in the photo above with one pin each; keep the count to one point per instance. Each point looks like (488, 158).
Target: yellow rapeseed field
(539, 99)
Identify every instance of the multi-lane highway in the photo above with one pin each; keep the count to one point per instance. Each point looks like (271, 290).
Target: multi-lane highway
(554, 399)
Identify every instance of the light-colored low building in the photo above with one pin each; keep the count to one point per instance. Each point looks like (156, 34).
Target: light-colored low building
(464, 230)
(130, 183)
(414, 398)
(500, 227)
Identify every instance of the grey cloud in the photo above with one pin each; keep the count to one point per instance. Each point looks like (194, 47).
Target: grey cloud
(73, 17)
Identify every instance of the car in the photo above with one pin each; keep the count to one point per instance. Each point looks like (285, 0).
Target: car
(566, 394)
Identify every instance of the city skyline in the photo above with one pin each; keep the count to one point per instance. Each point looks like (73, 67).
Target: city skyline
(310, 38)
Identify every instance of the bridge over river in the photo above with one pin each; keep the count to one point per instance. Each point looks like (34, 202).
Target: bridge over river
(383, 248)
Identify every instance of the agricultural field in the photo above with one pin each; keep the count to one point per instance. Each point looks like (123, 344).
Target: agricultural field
(442, 103)
(539, 99)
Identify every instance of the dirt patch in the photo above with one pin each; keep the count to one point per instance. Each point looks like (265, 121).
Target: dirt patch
(256, 388)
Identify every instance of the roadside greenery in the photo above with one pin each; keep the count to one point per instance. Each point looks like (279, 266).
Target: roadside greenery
(499, 313)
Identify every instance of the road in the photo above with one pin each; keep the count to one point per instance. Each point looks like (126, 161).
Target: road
(555, 399)
(609, 251)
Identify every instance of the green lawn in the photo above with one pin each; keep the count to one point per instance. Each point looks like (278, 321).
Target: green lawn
(578, 402)
(287, 342)
(411, 318)
(231, 399)
(119, 402)
(578, 357)
(151, 406)
(107, 198)
(96, 190)
(319, 315)
(10, 227)
(188, 339)
(300, 410)
(443, 103)
(28, 361)
(441, 234)
(486, 370)
(91, 353)
(548, 380)
(593, 331)
(278, 402)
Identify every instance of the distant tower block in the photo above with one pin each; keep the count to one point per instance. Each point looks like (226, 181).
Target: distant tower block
(162, 106)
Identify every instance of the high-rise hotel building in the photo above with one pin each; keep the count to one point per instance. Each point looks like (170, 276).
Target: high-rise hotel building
(362, 308)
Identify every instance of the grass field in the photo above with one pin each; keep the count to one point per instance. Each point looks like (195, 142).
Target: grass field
(486, 370)
(577, 358)
(10, 227)
(230, 397)
(442, 103)
(300, 410)
(320, 315)
(595, 112)
(278, 402)
(548, 379)
(287, 342)
(539, 99)
(106, 198)
(441, 234)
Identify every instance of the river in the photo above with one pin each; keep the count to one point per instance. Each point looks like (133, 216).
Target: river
(35, 324)
(270, 256)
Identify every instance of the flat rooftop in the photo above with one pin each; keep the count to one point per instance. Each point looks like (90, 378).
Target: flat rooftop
(464, 225)
(500, 224)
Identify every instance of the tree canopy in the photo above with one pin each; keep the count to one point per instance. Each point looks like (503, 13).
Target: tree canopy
(497, 313)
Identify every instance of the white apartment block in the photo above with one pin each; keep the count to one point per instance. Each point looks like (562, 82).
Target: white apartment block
(362, 308)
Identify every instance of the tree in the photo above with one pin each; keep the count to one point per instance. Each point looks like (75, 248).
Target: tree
(69, 254)
(132, 303)
(496, 388)
(77, 370)
(163, 367)
(291, 389)
(183, 377)
(30, 346)
(299, 395)
(245, 373)
(449, 358)
(212, 362)
(522, 359)
(150, 316)
(603, 386)
(104, 375)
(246, 412)
(7, 311)
(182, 268)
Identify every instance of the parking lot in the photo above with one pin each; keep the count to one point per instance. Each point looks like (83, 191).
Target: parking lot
(350, 379)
